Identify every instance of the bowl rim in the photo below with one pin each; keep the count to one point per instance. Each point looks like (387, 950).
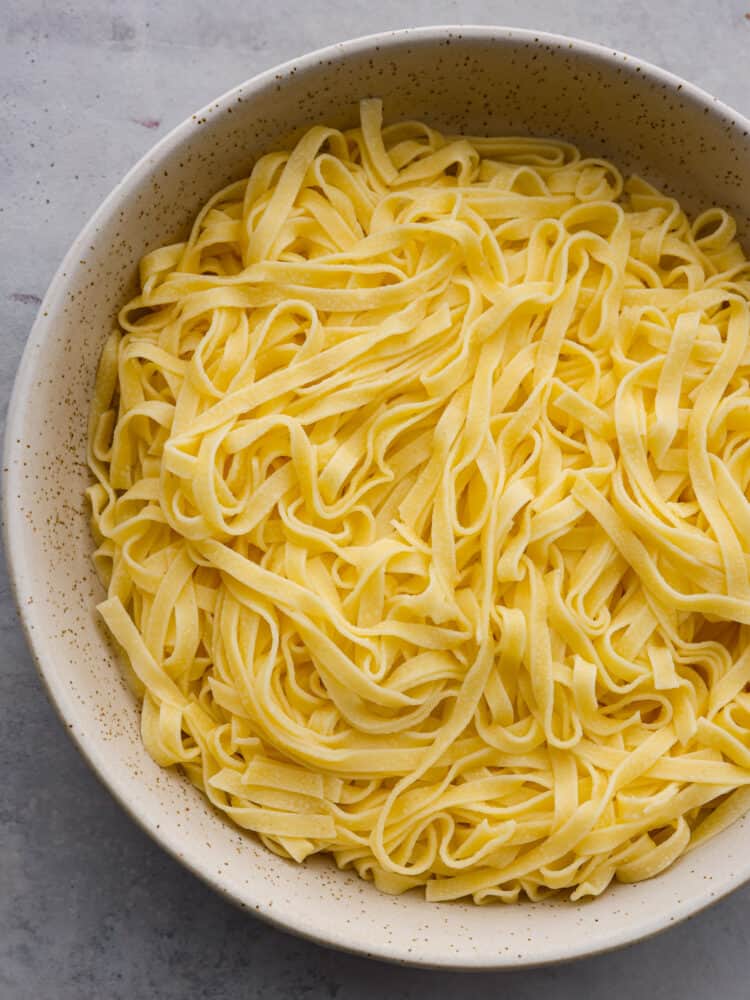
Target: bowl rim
(21, 589)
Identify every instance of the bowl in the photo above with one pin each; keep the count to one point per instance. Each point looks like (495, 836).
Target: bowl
(477, 80)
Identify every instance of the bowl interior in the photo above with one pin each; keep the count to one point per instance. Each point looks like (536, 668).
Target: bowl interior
(482, 81)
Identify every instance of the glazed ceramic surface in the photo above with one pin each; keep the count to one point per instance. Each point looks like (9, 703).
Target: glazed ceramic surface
(470, 80)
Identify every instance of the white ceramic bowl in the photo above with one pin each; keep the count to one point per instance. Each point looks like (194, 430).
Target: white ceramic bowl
(480, 80)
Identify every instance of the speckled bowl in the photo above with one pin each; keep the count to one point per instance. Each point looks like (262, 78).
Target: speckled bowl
(481, 80)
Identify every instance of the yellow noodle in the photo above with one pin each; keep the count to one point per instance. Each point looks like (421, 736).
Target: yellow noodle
(421, 500)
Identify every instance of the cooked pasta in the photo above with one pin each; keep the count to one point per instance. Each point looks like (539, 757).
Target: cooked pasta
(421, 499)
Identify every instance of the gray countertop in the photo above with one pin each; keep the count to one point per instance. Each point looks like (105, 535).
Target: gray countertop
(89, 907)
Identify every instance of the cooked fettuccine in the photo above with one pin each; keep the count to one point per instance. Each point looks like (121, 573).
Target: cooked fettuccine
(421, 499)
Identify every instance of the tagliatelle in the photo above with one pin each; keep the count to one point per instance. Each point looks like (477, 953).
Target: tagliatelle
(422, 474)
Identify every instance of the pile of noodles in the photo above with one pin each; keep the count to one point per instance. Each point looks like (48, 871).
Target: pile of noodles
(422, 473)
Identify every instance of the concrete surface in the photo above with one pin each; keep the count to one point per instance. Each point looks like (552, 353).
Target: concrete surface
(89, 907)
